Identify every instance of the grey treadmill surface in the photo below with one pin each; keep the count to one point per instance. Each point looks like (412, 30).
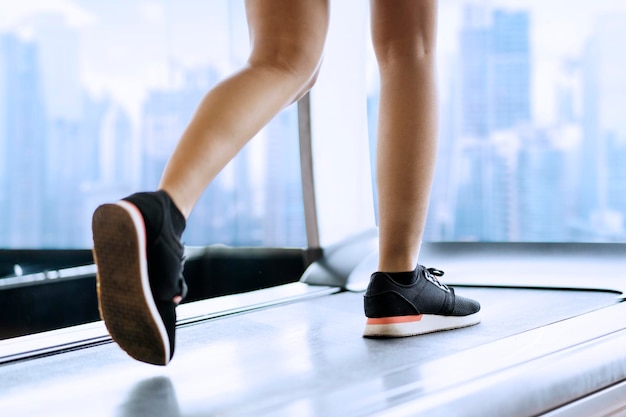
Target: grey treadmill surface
(307, 358)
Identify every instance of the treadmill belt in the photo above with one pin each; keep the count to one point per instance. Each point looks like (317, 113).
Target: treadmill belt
(301, 359)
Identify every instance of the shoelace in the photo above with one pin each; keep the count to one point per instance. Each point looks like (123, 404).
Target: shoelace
(432, 274)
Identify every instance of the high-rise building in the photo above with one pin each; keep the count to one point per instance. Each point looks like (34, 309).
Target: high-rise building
(542, 193)
(23, 143)
(601, 184)
(4, 129)
(494, 103)
(509, 70)
(615, 184)
(58, 55)
(485, 195)
(63, 199)
(495, 70)
(475, 50)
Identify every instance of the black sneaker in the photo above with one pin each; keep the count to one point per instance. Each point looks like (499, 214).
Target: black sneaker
(139, 257)
(396, 310)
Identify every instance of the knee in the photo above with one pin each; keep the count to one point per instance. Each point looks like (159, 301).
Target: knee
(415, 51)
(306, 87)
(300, 65)
(404, 32)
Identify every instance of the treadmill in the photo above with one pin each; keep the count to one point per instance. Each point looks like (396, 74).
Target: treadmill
(296, 349)
(551, 341)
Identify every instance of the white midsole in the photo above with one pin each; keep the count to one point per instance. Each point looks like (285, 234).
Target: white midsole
(428, 323)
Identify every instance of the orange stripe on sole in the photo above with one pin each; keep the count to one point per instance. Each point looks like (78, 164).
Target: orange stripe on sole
(393, 320)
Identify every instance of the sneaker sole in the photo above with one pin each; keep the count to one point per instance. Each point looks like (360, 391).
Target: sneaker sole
(124, 297)
(404, 326)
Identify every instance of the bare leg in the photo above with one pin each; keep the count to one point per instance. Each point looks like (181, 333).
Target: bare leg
(403, 298)
(287, 38)
(137, 244)
(403, 33)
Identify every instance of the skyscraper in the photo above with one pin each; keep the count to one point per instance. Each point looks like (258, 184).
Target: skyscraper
(542, 194)
(4, 128)
(23, 141)
(509, 70)
(600, 200)
(475, 48)
(494, 97)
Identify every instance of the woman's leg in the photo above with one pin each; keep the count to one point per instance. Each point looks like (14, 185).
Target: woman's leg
(404, 34)
(405, 299)
(287, 39)
(137, 245)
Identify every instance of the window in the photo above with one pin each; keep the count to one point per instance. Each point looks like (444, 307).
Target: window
(533, 129)
(94, 96)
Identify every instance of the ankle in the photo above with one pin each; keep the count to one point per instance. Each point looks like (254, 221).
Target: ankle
(177, 218)
(397, 265)
(404, 278)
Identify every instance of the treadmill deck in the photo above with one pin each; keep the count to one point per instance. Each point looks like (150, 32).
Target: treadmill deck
(304, 358)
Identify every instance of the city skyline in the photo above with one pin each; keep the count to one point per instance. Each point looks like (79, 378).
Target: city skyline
(503, 173)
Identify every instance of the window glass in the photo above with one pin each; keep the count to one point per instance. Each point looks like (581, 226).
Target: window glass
(94, 95)
(93, 98)
(533, 134)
